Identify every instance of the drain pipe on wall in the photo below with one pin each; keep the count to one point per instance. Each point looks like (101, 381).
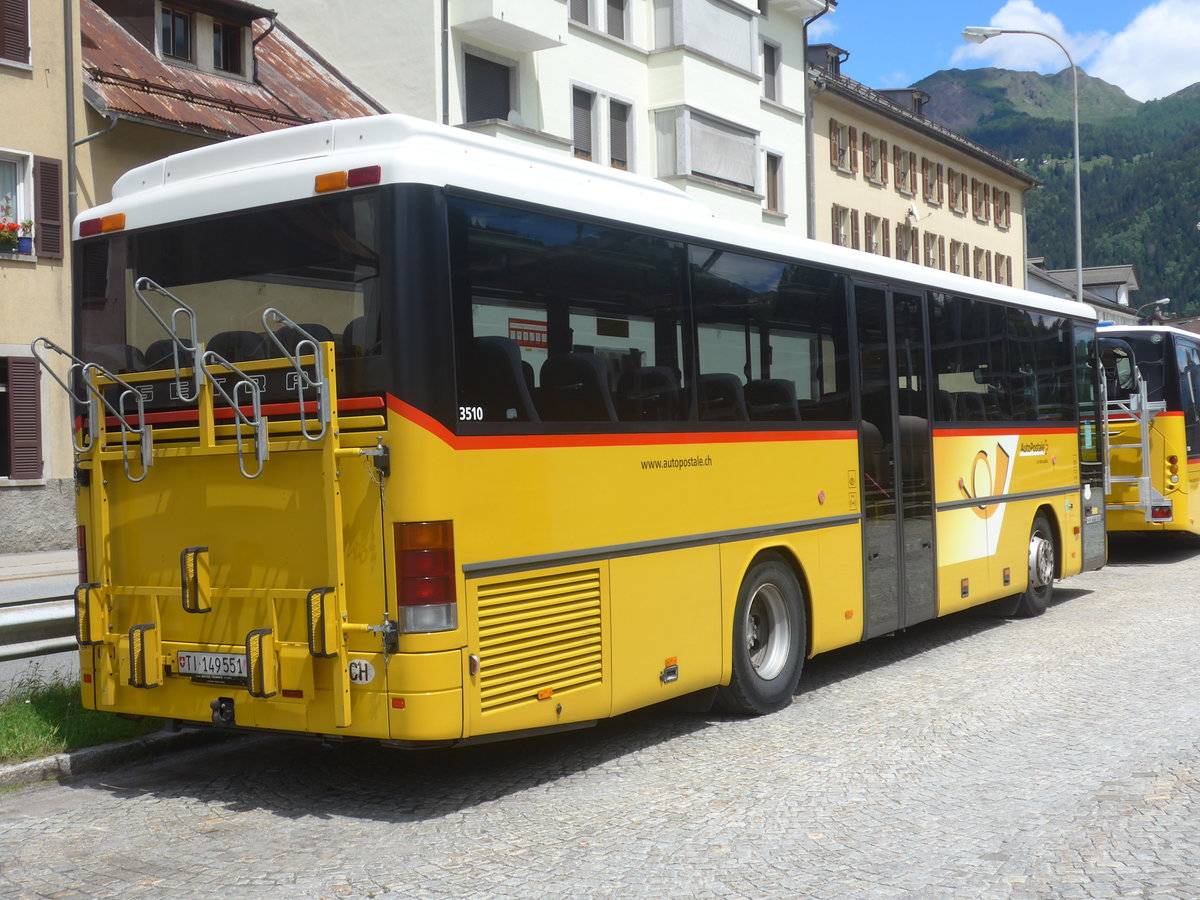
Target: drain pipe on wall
(810, 181)
(445, 62)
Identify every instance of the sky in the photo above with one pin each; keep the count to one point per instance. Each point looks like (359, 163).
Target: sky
(1148, 48)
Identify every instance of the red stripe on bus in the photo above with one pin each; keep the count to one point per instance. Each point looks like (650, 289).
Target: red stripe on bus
(224, 413)
(512, 442)
(1170, 413)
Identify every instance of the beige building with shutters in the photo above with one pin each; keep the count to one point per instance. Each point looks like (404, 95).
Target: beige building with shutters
(39, 96)
(886, 180)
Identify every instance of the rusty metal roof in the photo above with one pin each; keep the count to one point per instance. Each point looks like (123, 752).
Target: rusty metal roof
(293, 85)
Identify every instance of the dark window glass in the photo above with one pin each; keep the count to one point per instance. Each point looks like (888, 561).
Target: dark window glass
(1041, 367)
(569, 321)
(618, 134)
(176, 34)
(581, 122)
(227, 48)
(771, 338)
(969, 361)
(616, 18)
(486, 85)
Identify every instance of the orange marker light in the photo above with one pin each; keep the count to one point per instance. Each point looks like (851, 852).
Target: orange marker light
(545, 693)
(330, 181)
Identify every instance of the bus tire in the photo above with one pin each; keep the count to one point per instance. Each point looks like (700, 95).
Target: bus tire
(769, 639)
(1042, 565)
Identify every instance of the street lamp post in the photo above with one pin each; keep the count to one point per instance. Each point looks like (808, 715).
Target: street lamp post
(977, 34)
(1155, 303)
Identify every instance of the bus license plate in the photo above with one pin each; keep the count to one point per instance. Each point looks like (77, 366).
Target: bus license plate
(223, 668)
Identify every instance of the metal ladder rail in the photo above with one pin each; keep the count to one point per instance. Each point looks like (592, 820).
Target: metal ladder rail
(90, 375)
(1141, 409)
(321, 386)
(178, 347)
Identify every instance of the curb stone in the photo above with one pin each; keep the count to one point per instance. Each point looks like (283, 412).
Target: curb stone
(106, 756)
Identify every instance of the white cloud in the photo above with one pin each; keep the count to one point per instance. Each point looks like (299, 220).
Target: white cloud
(1029, 52)
(1158, 54)
(822, 30)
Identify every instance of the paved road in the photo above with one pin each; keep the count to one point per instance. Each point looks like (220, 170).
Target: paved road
(974, 757)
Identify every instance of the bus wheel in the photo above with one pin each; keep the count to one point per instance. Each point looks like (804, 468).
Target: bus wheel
(769, 636)
(1041, 570)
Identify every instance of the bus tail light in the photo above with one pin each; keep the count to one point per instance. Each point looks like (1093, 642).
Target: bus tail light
(1160, 513)
(425, 584)
(114, 222)
(1173, 468)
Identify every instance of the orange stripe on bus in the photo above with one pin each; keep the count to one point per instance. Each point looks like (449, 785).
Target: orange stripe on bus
(224, 413)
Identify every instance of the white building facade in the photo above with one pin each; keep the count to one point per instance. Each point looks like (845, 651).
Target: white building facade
(708, 95)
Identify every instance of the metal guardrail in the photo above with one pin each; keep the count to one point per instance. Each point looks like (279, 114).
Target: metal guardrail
(37, 627)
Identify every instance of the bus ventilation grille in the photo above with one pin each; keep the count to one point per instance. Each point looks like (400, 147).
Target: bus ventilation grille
(538, 635)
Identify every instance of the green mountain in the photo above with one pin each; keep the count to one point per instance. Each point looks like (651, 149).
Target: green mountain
(1140, 182)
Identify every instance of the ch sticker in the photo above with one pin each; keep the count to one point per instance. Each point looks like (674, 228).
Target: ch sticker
(361, 672)
(986, 481)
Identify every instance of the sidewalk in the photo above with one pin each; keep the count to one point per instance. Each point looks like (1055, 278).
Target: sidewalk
(40, 564)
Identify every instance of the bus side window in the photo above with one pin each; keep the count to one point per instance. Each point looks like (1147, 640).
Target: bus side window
(496, 388)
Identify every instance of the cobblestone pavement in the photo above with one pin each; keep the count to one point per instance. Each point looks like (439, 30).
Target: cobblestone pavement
(974, 757)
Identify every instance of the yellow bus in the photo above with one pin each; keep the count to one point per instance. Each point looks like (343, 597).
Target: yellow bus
(393, 431)
(1152, 378)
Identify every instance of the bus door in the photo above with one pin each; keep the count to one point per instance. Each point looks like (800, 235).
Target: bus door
(900, 586)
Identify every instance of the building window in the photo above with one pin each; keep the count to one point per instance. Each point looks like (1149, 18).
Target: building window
(583, 104)
(875, 235)
(618, 134)
(845, 227)
(579, 11)
(771, 53)
(1002, 213)
(31, 191)
(981, 202)
(875, 159)
(487, 88)
(905, 164)
(983, 264)
(932, 182)
(956, 192)
(617, 21)
(958, 257)
(20, 419)
(906, 242)
(1003, 269)
(843, 146)
(935, 251)
(14, 32)
(774, 182)
(690, 143)
(176, 33)
(227, 48)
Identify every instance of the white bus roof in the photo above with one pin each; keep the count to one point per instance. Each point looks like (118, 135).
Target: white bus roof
(281, 166)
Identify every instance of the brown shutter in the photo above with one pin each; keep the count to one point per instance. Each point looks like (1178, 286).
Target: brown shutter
(854, 241)
(883, 162)
(25, 419)
(48, 207)
(14, 30)
(896, 154)
(925, 185)
(853, 149)
(834, 235)
(1008, 213)
(914, 246)
(834, 142)
(887, 237)
(866, 153)
(941, 184)
(912, 172)
(942, 253)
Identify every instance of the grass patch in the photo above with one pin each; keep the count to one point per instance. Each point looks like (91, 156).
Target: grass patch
(40, 717)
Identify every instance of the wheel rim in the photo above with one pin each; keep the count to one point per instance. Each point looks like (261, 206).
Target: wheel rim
(1041, 560)
(768, 632)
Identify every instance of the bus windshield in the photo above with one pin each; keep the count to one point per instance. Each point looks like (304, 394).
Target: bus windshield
(317, 261)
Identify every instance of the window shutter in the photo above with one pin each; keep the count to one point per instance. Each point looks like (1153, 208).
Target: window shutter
(616, 18)
(581, 123)
(866, 153)
(897, 153)
(834, 142)
(853, 149)
(25, 419)
(941, 184)
(883, 162)
(886, 228)
(854, 240)
(942, 253)
(14, 30)
(1008, 214)
(770, 71)
(835, 234)
(618, 134)
(47, 207)
(912, 172)
(926, 185)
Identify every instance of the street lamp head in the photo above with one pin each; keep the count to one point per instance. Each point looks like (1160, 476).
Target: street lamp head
(977, 34)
